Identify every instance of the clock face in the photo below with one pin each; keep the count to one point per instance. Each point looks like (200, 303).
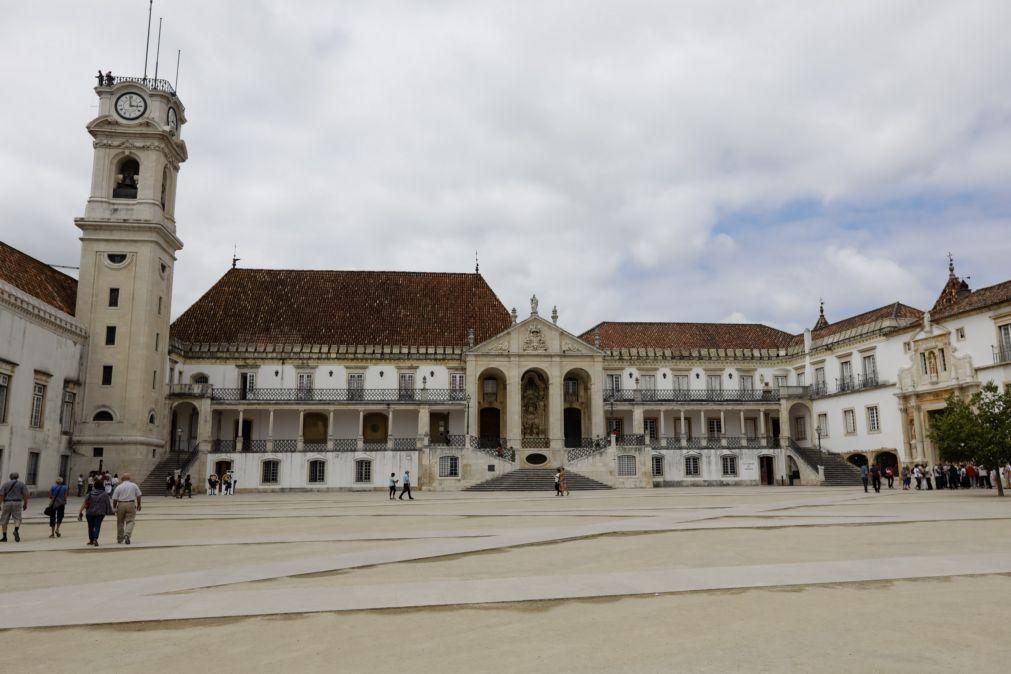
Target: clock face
(173, 120)
(131, 106)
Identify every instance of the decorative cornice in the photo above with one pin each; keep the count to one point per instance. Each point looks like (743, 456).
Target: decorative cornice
(32, 308)
(314, 352)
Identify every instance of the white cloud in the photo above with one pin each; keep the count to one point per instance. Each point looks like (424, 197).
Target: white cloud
(595, 153)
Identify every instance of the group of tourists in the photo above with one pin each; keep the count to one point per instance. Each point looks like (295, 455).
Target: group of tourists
(939, 476)
(225, 486)
(100, 501)
(405, 486)
(178, 486)
(109, 481)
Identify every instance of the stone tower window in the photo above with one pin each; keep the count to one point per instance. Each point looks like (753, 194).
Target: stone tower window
(127, 177)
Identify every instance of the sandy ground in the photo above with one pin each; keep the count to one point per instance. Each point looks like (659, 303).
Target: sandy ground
(947, 623)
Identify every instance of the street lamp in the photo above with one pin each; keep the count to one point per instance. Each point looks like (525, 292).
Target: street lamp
(179, 439)
(818, 431)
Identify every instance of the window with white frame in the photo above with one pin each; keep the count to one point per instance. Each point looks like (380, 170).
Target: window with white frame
(873, 419)
(647, 382)
(269, 471)
(615, 426)
(657, 465)
(5, 385)
(800, 428)
(363, 471)
(693, 468)
(649, 428)
(747, 382)
(612, 383)
(823, 424)
(67, 412)
(849, 422)
(802, 379)
(1005, 337)
(845, 375)
(729, 465)
(907, 346)
(944, 361)
(780, 380)
(32, 474)
(490, 389)
(356, 385)
(38, 405)
(457, 386)
(819, 377)
(570, 386)
(714, 382)
(449, 466)
(960, 334)
(406, 385)
(680, 382)
(305, 381)
(715, 427)
(626, 465)
(247, 385)
(871, 369)
(317, 471)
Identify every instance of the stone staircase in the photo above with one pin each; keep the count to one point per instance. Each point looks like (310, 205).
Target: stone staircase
(838, 471)
(536, 479)
(154, 483)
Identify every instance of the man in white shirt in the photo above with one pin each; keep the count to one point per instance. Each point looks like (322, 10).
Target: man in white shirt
(126, 501)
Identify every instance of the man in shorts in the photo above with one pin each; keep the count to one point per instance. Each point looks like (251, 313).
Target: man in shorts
(14, 498)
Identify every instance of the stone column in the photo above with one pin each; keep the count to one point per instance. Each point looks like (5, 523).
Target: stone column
(744, 433)
(329, 428)
(238, 438)
(300, 441)
(361, 428)
(723, 429)
(424, 425)
(637, 420)
(703, 431)
(597, 428)
(683, 429)
(513, 430)
(761, 425)
(389, 430)
(556, 425)
(918, 426)
(663, 429)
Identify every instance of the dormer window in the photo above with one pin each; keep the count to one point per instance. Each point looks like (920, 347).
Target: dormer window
(127, 179)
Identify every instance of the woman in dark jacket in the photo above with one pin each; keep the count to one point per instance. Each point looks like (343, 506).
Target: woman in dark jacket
(57, 506)
(98, 504)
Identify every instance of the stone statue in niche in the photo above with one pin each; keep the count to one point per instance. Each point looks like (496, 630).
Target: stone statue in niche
(533, 305)
(534, 406)
(535, 340)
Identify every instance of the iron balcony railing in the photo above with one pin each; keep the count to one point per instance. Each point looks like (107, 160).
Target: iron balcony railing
(691, 396)
(190, 390)
(535, 443)
(851, 383)
(146, 82)
(586, 450)
(449, 440)
(298, 395)
(1001, 354)
(499, 451)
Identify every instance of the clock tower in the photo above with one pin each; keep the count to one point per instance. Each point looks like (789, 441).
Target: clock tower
(124, 294)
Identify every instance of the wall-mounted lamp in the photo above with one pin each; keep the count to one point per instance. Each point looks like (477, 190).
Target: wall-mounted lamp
(424, 382)
(380, 373)
(698, 376)
(730, 375)
(331, 373)
(277, 373)
(630, 375)
(664, 375)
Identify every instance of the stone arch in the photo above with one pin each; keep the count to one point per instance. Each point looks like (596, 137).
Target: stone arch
(577, 392)
(800, 419)
(199, 378)
(375, 428)
(185, 426)
(534, 412)
(859, 460)
(887, 459)
(492, 407)
(126, 177)
(314, 428)
(105, 414)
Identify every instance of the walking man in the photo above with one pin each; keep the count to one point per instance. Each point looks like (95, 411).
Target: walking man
(406, 488)
(126, 501)
(14, 495)
(80, 485)
(876, 478)
(863, 476)
(558, 482)
(393, 485)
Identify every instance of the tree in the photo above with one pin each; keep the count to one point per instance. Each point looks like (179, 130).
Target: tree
(978, 430)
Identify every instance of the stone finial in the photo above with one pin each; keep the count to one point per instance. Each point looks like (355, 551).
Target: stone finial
(596, 339)
(470, 336)
(515, 315)
(554, 315)
(533, 305)
(822, 321)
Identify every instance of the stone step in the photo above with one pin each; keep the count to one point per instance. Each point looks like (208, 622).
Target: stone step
(536, 479)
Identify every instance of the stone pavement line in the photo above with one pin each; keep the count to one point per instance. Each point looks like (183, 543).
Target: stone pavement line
(85, 594)
(239, 603)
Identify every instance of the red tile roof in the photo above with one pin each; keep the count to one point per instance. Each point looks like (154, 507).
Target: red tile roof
(895, 314)
(284, 306)
(975, 300)
(38, 279)
(676, 336)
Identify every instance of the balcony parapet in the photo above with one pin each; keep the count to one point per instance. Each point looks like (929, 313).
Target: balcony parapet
(646, 396)
(337, 395)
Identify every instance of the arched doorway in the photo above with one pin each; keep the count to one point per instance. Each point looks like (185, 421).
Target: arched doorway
(491, 407)
(858, 460)
(576, 388)
(534, 410)
(800, 424)
(887, 460)
(375, 428)
(314, 427)
(185, 422)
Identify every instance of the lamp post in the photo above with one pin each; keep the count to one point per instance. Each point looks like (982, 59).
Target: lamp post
(818, 431)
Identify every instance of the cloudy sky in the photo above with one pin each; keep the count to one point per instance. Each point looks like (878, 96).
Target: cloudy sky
(693, 161)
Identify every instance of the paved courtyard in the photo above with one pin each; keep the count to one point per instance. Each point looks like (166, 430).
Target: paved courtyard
(729, 579)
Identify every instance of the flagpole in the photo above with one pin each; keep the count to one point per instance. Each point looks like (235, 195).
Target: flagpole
(179, 55)
(147, 43)
(157, 51)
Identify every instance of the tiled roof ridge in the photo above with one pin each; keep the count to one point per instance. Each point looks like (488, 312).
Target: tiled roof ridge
(38, 279)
